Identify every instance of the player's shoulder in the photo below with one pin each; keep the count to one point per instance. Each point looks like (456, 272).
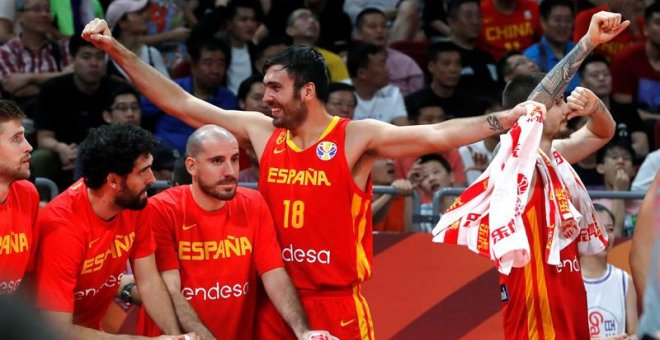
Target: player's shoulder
(170, 196)
(67, 205)
(247, 194)
(24, 188)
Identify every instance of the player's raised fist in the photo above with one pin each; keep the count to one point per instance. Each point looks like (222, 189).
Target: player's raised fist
(604, 26)
(98, 33)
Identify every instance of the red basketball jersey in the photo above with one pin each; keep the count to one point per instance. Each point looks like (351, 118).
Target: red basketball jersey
(542, 301)
(18, 234)
(322, 218)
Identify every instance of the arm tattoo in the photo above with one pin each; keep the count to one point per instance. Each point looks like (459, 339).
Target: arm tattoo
(494, 123)
(555, 82)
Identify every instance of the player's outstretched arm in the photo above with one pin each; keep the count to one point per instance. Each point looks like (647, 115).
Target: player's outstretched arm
(281, 292)
(604, 26)
(166, 94)
(188, 319)
(385, 140)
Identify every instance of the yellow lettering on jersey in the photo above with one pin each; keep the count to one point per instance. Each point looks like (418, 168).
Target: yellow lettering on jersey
(298, 177)
(509, 31)
(13, 243)
(213, 250)
(121, 245)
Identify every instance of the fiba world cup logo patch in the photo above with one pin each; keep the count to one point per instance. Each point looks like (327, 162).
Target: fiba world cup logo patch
(326, 150)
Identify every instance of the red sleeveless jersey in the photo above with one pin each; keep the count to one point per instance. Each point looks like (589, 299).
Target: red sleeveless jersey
(543, 301)
(322, 218)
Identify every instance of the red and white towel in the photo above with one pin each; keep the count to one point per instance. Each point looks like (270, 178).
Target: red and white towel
(487, 216)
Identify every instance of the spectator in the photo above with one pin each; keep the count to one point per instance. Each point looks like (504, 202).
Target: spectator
(445, 67)
(209, 61)
(19, 201)
(95, 218)
(376, 97)
(434, 20)
(242, 21)
(429, 174)
(595, 75)
(630, 36)
(557, 22)
(7, 20)
(218, 212)
(128, 20)
(509, 25)
(329, 14)
(514, 63)
(266, 48)
(303, 27)
(250, 98)
(636, 79)
(29, 60)
(423, 113)
(67, 107)
(646, 172)
(388, 209)
(611, 297)
(341, 100)
(615, 164)
(479, 73)
(404, 72)
(169, 29)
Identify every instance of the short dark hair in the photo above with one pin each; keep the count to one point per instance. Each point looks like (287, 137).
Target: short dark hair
(270, 40)
(592, 58)
(431, 157)
(10, 111)
(359, 20)
(503, 67)
(454, 5)
(76, 42)
(519, 89)
(442, 47)
(246, 85)
(413, 107)
(196, 47)
(336, 86)
(546, 7)
(599, 207)
(304, 64)
(234, 5)
(112, 149)
(358, 57)
(652, 8)
(615, 143)
(120, 89)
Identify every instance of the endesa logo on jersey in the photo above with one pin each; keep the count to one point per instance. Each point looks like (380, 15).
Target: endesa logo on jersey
(216, 292)
(291, 254)
(9, 287)
(112, 282)
(326, 150)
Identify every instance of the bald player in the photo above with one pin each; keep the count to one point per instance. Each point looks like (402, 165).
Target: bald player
(214, 239)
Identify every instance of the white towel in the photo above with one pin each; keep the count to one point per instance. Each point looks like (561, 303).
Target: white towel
(487, 216)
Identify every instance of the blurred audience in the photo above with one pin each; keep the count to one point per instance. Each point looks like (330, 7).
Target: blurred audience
(341, 100)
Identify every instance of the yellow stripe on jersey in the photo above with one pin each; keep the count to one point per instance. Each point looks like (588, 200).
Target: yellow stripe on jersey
(541, 295)
(358, 210)
(364, 315)
(327, 130)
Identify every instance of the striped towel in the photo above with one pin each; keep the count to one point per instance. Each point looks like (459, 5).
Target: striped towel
(487, 216)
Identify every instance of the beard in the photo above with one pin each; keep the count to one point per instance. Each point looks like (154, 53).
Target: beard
(292, 116)
(15, 174)
(221, 194)
(129, 200)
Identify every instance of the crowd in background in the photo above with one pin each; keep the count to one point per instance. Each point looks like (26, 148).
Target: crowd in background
(399, 61)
